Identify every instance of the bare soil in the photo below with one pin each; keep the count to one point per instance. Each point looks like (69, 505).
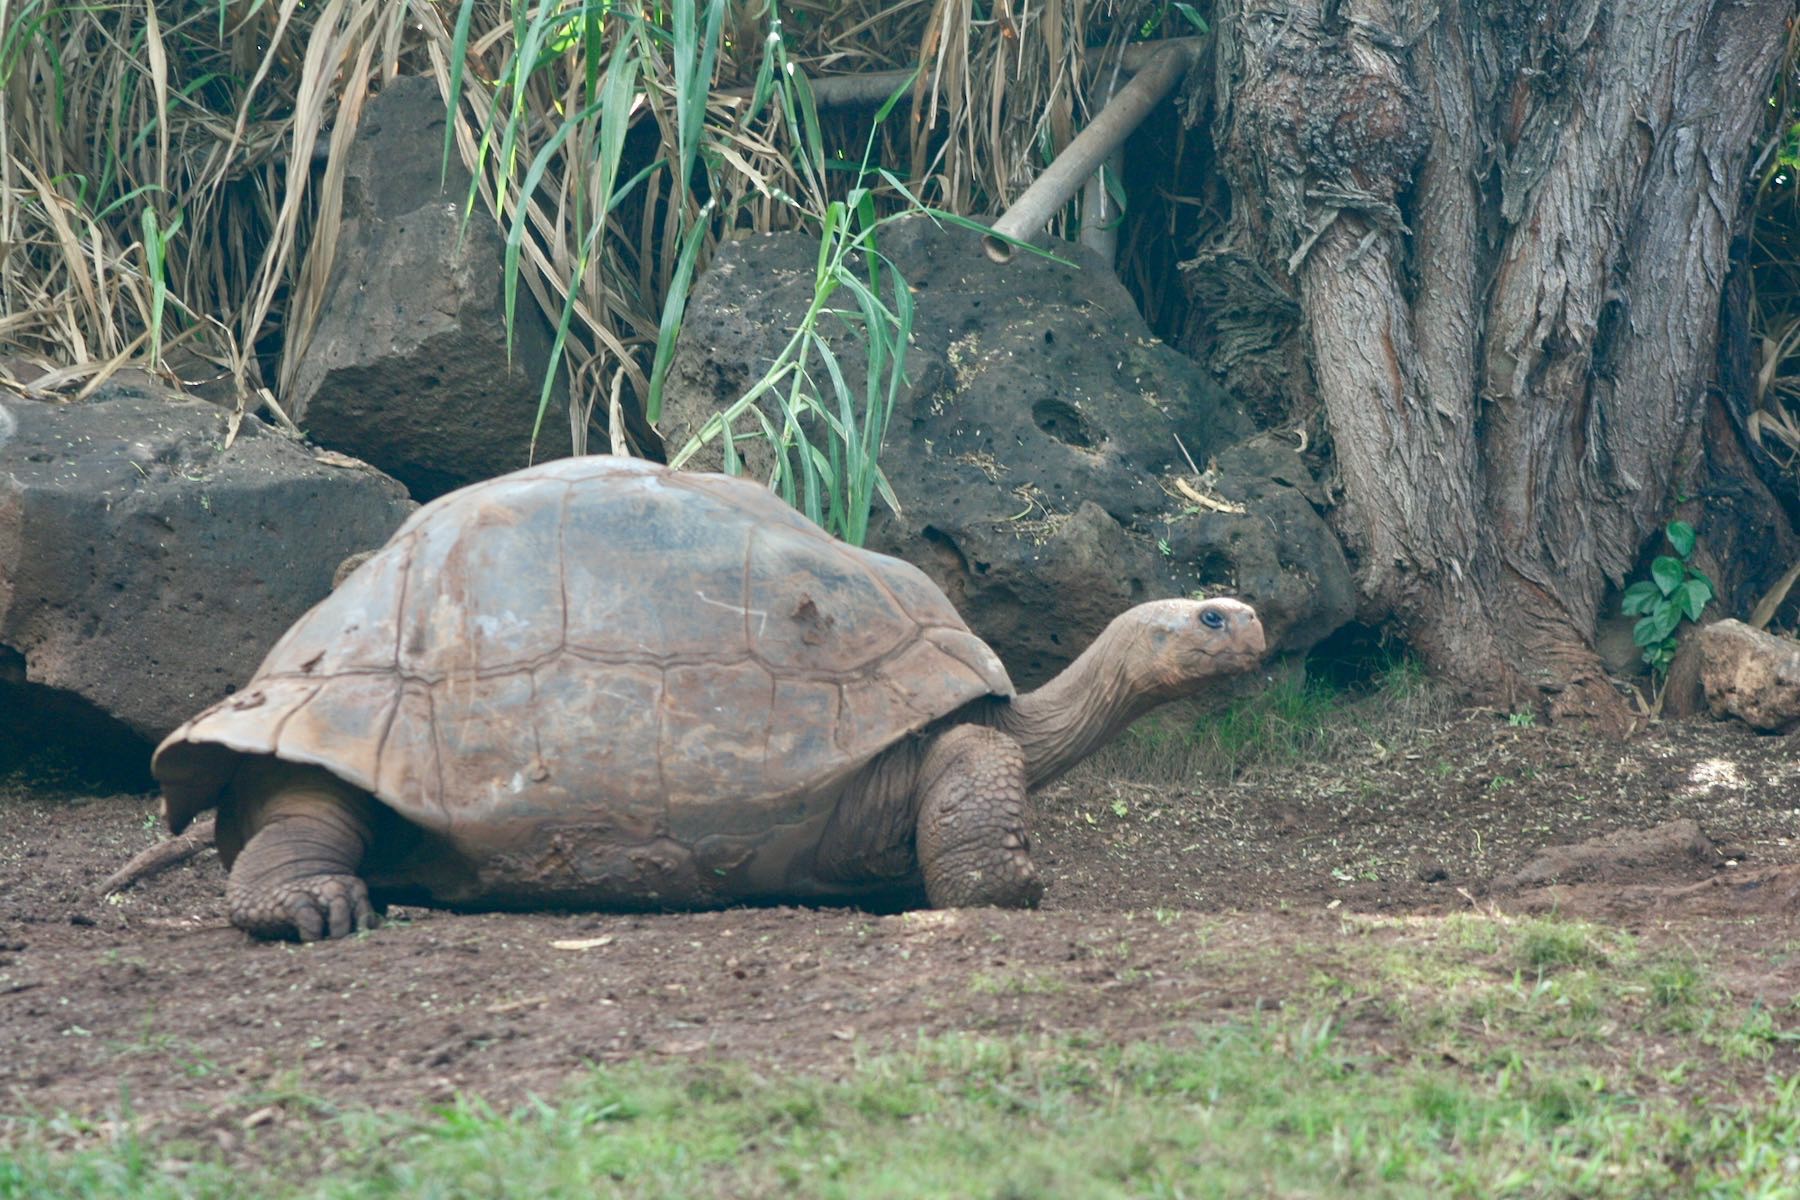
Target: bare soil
(151, 1004)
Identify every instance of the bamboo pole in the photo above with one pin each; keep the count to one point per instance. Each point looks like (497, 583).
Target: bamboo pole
(874, 87)
(1099, 214)
(1025, 220)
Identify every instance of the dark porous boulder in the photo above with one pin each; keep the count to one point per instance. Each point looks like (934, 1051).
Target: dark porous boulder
(1041, 450)
(408, 366)
(145, 568)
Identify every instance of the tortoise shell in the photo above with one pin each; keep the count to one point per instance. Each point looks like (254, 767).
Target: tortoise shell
(560, 670)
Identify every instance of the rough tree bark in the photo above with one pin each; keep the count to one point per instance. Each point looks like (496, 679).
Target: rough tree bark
(1506, 226)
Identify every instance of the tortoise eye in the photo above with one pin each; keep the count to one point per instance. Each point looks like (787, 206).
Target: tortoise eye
(1211, 619)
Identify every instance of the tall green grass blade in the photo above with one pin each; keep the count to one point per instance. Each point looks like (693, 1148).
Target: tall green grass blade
(156, 244)
(799, 111)
(843, 445)
(516, 228)
(538, 33)
(558, 344)
(19, 31)
(593, 45)
(732, 465)
(771, 379)
(887, 106)
(828, 233)
(696, 55)
(615, 116)
(123, 200)
(459, 54)
(695, 51)
(840, 389)
(809, 115)
(885, 340)
(794, 438)
(674, 306)
(766, 68)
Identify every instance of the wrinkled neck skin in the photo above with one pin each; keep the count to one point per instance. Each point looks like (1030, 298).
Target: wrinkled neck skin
(1082, 709)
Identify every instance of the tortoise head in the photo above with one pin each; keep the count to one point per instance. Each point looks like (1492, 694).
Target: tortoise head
(1169, 648)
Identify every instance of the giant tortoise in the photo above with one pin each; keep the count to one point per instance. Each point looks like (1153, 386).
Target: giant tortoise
(601, 683)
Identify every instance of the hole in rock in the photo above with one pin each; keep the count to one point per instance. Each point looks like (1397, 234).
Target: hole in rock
(1065, 423)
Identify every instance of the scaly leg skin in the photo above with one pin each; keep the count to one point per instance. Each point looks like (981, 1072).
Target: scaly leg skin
(972, 843)
(296, 876)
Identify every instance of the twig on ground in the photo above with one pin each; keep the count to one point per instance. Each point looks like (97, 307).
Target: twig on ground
(158, 858)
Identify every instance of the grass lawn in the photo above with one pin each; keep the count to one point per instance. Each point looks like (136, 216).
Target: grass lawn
(1484, 1057)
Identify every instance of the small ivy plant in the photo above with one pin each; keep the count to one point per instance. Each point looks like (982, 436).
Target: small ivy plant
(1676, 591)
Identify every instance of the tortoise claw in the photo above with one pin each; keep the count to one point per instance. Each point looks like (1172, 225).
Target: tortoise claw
(328, 906)
(314, 908)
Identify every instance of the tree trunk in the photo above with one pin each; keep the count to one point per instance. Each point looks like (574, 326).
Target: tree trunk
(1506, 225)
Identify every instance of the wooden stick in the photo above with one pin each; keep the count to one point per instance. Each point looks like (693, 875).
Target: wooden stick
(158, 858)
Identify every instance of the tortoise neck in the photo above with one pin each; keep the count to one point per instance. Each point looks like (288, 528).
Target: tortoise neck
(1080, 710)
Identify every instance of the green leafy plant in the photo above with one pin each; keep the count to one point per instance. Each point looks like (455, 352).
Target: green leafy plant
(824, 434)
(1675, 592)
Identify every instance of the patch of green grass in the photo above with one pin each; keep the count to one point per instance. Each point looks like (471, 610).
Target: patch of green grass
(1278, 725)
(1471, 1056)
(1272, 1106)
(1291, 720)
(1479, 935)
(1749, 1036)
(1490, 989)
(1017, 983)
(1676, 982)
(1546, 944)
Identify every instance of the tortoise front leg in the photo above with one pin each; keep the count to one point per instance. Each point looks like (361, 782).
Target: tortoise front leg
(304, 833)
(972, 843)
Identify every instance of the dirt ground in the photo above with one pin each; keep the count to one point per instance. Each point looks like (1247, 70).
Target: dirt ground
(151, 1004)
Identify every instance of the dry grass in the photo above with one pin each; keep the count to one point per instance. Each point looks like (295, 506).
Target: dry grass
(155, 189)
(161, 200)
(1775, 269)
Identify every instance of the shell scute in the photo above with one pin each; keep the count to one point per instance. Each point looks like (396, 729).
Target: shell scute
(817, 609)
(654, 572)
(411, 779)
(484, 590)
(346, 713)
(353, 629)
(716, 724)
(592, 728)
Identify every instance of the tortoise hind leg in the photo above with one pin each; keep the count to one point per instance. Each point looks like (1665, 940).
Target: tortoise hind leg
(972, 843)
(304, 833)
